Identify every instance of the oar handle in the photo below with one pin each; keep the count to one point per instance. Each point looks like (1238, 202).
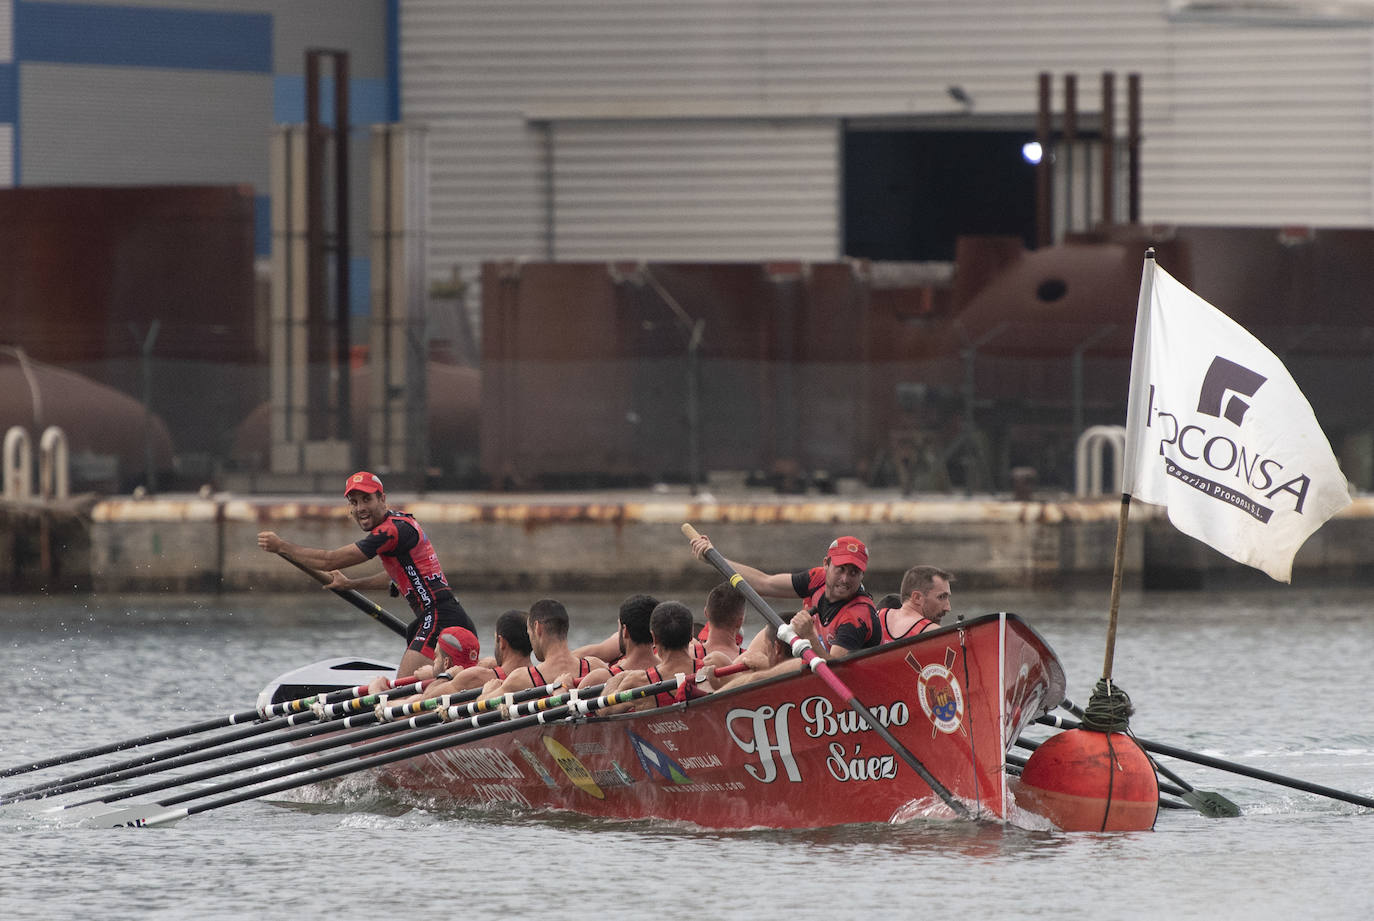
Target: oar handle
(822, 668)
(362, 603)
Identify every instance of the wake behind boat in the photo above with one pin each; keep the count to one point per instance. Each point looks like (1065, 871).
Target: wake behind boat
(786, 752)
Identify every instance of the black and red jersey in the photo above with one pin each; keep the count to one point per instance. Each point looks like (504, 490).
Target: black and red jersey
(409, 558)
(852, 623)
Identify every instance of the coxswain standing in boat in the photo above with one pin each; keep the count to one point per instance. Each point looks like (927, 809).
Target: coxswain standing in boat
(548, 625)
(408, 558)
(925, 600)
(836, 601)
(671, 627)
(634, 643)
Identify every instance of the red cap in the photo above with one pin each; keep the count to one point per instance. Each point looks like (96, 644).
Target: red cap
(362, 481)
(460, 644)
(848, 550)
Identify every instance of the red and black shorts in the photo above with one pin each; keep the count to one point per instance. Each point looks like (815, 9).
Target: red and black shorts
(446, 613)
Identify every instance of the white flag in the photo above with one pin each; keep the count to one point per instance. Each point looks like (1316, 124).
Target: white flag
(1217, 431)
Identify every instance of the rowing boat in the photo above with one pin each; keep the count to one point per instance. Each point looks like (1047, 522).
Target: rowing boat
(785, 752)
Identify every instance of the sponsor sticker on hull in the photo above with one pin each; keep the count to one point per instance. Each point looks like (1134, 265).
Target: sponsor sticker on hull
(576, 770)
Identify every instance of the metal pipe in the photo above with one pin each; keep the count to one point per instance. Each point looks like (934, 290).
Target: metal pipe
(1070, 141)
(1133, 146)
(1108, 145)
(1044, 217)
(342, 250)
(317, 324)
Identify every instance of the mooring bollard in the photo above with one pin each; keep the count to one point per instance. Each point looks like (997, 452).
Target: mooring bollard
(18, 464)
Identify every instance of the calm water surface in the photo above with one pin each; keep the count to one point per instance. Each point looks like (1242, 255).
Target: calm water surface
(1272, 679)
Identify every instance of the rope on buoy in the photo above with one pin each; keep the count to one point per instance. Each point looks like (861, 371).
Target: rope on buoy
(1109, 708)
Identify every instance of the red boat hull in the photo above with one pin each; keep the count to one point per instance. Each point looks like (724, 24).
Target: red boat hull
(782, 753)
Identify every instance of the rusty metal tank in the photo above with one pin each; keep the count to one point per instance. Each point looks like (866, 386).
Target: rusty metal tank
(109, 435)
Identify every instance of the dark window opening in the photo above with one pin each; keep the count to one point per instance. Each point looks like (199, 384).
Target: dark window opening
(909, 194)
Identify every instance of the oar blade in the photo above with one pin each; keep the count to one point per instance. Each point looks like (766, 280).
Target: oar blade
(1212, 804)
(144, 816)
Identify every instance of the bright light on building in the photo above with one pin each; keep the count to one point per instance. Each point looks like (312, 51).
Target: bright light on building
(1030, 152)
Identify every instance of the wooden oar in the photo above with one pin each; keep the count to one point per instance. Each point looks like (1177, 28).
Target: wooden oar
(361, 602)
(1160, 748)
(1209, 803)
(183, 755)
(822, 668)
(377, 754)
(234, 719)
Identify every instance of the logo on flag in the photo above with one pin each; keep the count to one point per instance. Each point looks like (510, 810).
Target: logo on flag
(1218, 432)
(1225, 376)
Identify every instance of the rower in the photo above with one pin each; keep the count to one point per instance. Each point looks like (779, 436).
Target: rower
(609, 650)
(925, 601)
(512, 651)
(724, 618)
(769, 657)
(671, 627)
(548, 626)
(635, 642)
(456, 650)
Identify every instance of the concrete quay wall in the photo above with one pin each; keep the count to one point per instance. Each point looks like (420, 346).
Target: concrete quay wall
(561, 542)
(565, 543)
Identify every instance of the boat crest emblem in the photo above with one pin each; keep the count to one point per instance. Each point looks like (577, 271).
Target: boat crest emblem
(941, 697)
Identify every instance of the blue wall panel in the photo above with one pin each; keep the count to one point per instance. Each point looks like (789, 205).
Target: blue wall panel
(9, 92)
(262, 225)
(367, 100)
(122, 36)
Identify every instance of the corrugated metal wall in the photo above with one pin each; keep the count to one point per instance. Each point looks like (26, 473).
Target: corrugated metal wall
(7, 93)
(94, 125)
(701, 130)
(661, 113)
(702, 190)
(1262, 126)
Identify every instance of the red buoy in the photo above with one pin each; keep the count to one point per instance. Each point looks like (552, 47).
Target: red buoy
(1091, 781)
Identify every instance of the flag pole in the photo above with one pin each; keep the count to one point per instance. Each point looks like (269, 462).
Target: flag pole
(1116, 585)
(1139, 351)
